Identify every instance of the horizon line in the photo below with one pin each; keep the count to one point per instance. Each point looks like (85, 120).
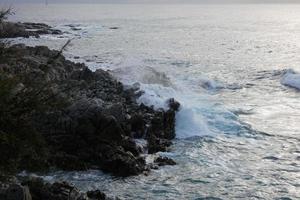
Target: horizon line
(157, 3)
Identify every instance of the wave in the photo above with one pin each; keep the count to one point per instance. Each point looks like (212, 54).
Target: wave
(142, 74)
(199, 115)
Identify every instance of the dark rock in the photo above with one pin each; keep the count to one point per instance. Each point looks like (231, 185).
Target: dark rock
(96, 126)
(75, 29)
(17, 192)
(162, 161)
(56, 191)
(55, 32)
(129, 145)
(173, 104)
(68, 162)
(32, 188)
(162, 125)
(157, 145)
(169, 125)
(153, 166)
(138, 126)
(271, 158)
(116, 160)
(96, 195)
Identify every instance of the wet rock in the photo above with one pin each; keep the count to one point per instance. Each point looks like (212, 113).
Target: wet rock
(157, 145)
(162, 124)
(138, 126)
(122, 163)
(173, 104)
(96, 195)
(169, 125)
(76, 29)
(130, 145)
(271, 158)
(162, 161)
(154, 166)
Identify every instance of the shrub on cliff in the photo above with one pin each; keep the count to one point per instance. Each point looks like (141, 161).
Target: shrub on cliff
(21, 146)
(4, 44)
(4, 13)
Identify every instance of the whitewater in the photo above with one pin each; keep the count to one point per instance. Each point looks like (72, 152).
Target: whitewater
(235, 71)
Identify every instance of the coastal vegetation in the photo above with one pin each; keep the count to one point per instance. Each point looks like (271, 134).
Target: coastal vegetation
(5, 13)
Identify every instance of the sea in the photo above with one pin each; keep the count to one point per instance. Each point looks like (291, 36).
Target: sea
(234, 69)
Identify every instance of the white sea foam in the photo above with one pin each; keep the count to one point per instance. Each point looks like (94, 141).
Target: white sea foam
(156, 95)
(198, 115)
(292, 79)
(210, 84)
(190, 123)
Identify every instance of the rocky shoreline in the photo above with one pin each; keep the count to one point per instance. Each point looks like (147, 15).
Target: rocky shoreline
(35, 188)
(60, 115)
(13, 30)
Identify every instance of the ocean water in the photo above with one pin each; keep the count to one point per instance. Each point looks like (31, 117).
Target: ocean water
(230, 66)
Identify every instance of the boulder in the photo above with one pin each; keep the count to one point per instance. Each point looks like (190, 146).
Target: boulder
(173, 104)
(96, 195)
(156, 144)
(162, 161)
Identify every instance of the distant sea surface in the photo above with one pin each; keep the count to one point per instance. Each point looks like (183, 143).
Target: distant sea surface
(238, 131)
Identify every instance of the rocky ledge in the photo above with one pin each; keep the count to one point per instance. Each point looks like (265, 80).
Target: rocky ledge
(12, 30)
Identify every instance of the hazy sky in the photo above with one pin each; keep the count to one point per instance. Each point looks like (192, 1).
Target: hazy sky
(149, 1)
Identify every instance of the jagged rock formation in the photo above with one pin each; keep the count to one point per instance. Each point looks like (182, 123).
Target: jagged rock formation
(97, 126)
